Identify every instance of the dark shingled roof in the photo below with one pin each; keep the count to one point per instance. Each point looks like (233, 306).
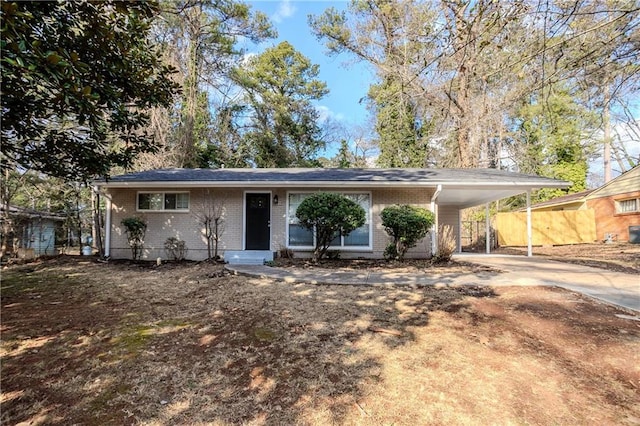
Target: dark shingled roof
(338, 176)
(459, 187)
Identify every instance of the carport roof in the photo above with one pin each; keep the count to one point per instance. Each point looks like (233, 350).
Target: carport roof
(459, 187)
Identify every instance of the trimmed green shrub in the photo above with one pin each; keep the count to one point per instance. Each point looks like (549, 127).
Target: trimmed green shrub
(406, 225)
(329, 215)
(135, 228)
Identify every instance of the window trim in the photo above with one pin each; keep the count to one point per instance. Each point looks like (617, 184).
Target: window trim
(619, 201)
(163, 210)
(369, 218)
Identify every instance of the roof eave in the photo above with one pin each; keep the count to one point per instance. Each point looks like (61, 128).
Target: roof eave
(331, 184)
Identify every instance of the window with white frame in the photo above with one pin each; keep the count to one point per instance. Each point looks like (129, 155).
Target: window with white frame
(163, 201)
(628, 206)
(299, 237)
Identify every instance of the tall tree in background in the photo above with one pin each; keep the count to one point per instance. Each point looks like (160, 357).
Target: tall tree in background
(554, 140)
(344, 157)
(607, 63)
(401, 139)
(200, 37)
(77, 81)
(280, 85)
(230, 147)
(391, 36)
(441, 58)
(468, 66)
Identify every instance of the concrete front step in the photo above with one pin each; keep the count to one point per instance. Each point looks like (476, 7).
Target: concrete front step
(248, 257)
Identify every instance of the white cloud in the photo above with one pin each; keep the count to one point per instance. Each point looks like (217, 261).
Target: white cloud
(285, 10)
(325, 113)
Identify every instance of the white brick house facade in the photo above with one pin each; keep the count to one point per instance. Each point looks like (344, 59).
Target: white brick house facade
(170, 200)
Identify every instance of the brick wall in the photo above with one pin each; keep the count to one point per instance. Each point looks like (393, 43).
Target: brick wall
(184, 225)
(450, 216)
(388, 197)
(608, 221)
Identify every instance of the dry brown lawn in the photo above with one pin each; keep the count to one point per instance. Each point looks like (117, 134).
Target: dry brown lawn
(121, 343)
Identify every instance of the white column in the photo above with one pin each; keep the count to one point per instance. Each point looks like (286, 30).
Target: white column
(459, 242)
(487, 229)
(434, 229)
(529, 233)
(107, 226)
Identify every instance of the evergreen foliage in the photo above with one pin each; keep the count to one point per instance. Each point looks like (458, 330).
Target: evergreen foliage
(555, 134)
(280, 86)
(329, 215)
(77, 81)
(406, 225)
(401, 139)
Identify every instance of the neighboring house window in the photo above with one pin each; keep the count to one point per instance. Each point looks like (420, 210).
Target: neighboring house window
(628, 206)
(304, 238)
(163, 201)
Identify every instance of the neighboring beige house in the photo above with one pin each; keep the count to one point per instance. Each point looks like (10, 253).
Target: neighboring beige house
(576, 201)
(616, 207)
(258, 206)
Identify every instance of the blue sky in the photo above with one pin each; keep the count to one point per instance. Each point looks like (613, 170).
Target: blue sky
(347, 81)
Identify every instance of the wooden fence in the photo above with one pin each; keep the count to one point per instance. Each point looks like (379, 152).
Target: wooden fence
(548, 228)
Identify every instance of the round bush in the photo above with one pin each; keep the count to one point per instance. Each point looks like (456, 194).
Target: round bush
(328, 215)
(406, 225)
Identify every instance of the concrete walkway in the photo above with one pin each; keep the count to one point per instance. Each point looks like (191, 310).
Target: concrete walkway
(611, 287)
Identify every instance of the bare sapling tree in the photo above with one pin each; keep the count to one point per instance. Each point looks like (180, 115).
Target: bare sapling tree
(210, 212)
(135, 227)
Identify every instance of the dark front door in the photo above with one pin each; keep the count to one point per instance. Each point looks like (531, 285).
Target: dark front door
(257, 218)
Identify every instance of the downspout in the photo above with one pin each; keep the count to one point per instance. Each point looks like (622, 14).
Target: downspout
(434, 229)
(107, 226)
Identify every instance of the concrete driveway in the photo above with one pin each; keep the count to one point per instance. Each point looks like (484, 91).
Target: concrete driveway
(613, 287)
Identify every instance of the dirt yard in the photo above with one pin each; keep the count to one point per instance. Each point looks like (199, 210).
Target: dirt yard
(621, 257)
(93, 344)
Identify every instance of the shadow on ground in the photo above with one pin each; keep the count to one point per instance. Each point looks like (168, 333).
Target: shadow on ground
(129, 343)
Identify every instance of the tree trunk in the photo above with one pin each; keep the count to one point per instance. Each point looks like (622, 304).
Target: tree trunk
(6, 218)
(97, 222)
(606, 118)
(215, 238)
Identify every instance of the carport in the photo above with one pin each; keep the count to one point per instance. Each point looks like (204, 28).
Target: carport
(478, 190)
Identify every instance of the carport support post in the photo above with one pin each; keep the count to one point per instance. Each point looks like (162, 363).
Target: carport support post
(487, 229)
(529, 233)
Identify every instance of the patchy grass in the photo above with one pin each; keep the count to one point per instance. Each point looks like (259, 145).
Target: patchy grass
(124, 343)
